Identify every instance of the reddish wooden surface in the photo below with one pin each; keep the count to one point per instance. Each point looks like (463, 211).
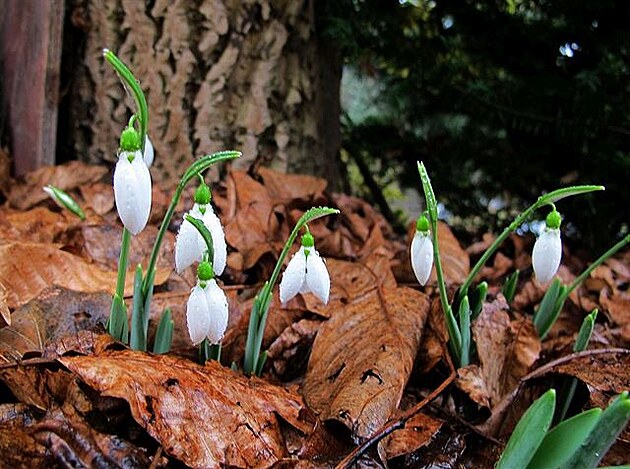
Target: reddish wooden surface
(30, 52)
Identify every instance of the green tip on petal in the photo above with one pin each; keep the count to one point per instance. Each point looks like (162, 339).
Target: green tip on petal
(422, 224)
(203, 194)
(130, 140)
(553, 219)
(307, 240)
(205, 271)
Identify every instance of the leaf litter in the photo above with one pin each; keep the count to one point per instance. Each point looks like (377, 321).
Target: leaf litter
(337, 374)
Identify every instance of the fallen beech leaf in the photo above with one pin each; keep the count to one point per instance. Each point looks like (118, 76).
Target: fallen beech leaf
(27, 385)
(617, 308)
(66, 177)
(38, 225)
(205, 416)
(57, 314)
(418, 431)
(69, 437)
(288, 354)
(606, 373)
(99, 196)
(362, 358)
(506, 349)
(4, 309)
(289, 187)
(28, 268)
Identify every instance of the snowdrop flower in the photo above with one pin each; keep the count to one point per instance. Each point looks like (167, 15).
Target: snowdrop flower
(132, 183)
(148, 151)
(306, 272)
(190, 245)
(207, 308)
(422, 251)
(548, 249)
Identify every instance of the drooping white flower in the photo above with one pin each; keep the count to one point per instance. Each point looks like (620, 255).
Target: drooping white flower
(422, 256)
(132, 190)
(548, 248)
(148, 151)
(207, 312)
(305, 273)
(422, 251)
(190, 245)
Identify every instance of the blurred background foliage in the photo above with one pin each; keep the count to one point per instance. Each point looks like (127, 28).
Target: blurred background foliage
(502, 100)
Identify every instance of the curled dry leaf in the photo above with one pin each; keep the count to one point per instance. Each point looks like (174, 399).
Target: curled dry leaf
(27, 193)
(506, 349)
(362, 389)
(26, 269)
(418, 431)
(4, 308)
(205, 416)
(606, 373)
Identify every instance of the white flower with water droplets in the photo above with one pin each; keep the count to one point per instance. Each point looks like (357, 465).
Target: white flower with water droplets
(190, 245)
(207, 312)
(422, 251)
(305, 273)
(132, 190)
(548, 249)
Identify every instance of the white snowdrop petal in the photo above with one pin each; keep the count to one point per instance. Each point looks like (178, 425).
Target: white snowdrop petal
(422, 257)
(212, 222)
(197, 315)
(317, 277)
(132, 193)
(293, 277)
(547, 254)
(218, 312)
(143, 197)
(186, 246)
(148, 151)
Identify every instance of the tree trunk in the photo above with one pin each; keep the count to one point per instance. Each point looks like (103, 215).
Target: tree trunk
(218, 74)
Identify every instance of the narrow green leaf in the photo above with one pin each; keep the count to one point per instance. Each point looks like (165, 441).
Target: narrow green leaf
(562, 441)
(164, 333)
(64, 200)
(464, 328)
(206, 161)
(544, 316)
(478, 298)
(137, 340)
(509, 288)
(610, 424)
(586, 330)
(529, 433)
(117, 323)
(560, 194)
(261, 363)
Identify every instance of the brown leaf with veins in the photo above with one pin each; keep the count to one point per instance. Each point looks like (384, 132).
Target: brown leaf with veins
(56, 314)
(362, 358)
(38, 225)
(506, 349)
(205, 416)
(66, 177)
(26, 269)
(418, 431)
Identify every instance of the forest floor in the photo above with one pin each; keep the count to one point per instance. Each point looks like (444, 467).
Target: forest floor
(365, 379)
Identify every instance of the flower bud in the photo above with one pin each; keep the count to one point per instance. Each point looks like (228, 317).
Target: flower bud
(422, 256)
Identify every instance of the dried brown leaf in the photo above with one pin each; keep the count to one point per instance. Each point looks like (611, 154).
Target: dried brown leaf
(38, 225)
(362, 389)
(606, 373)
(418, 431)
(98, 196)
(205, 416)
(26, 269)
(28, 192)
(291, 187)
(57, 314)
(4, 308)
(506, 349)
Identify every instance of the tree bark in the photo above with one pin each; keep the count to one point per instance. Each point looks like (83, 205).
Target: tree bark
(218, 74)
